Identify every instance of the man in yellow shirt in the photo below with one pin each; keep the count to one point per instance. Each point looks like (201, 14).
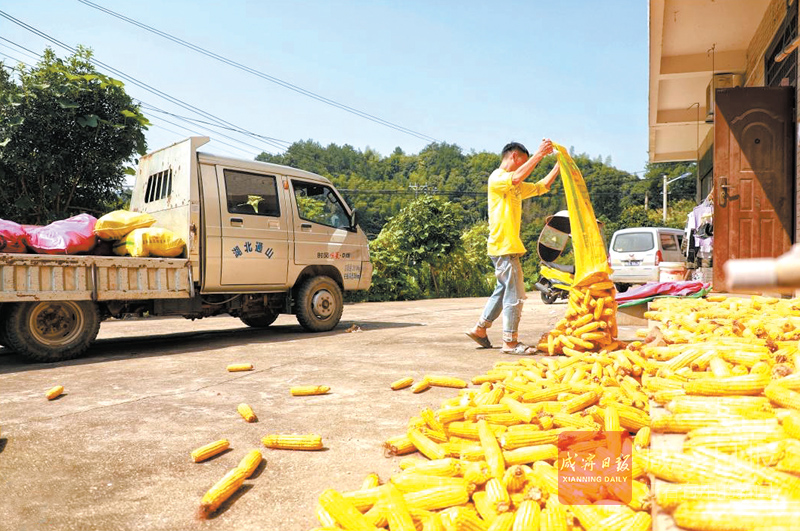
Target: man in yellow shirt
(507, 189)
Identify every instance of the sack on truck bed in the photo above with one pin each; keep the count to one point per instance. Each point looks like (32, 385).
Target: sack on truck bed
(12, 237)
(67, 236)
(152, 241)
(116, 225)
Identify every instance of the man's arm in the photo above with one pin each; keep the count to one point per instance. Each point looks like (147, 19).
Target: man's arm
(525, 170)
(541, 187)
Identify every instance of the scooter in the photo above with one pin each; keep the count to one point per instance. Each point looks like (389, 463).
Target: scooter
(554, 279)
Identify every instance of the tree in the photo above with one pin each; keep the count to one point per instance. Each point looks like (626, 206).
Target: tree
(67, 133)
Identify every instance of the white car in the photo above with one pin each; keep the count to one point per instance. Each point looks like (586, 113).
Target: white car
(635, 254)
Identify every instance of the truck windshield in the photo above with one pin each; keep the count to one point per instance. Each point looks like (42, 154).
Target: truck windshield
(633, 242)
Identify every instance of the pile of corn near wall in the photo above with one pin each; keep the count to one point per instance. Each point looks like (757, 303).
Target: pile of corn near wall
(486, 459)
(590, 324)
(727, 370)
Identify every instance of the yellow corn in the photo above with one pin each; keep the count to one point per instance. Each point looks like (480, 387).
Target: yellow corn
(236, 367)
(491, 448)
(364, 499)
(250, 462)
(514, 440)
(221, 491)
(436, 467)
(462, 519)
(371, 481)
(437, 498)
(670, 495)
(791, 424)
(514, 479)
(553, 517)
(402, 383)
(425, 445)
(400, 445)
(396, 510)
(210, 450)
(782, 396)
(293, 442)
(446, 381)
(344, 512)
(530, 454)
(422, 385)
(642, 438)
(246, 412)
(750, 384)
(611, 419)
(309, 390)
(498, 495)
(414, 482)
(450, 414)
(54, 392)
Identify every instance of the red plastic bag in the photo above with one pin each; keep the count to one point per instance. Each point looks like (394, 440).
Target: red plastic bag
(67, 236)
(12, 237)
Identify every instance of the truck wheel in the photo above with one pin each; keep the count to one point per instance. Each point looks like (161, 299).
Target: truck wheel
(259, 320)
(319, 304)
(52, 330)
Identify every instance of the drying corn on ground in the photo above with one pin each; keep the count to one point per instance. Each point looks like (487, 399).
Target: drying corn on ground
(726, 373)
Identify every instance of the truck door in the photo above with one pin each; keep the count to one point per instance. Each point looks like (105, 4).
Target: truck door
(322, 227)
(255, 243)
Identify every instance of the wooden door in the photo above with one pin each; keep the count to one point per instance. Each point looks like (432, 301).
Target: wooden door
(753, 174)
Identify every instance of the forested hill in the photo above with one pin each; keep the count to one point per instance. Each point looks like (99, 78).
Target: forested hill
(379, 186)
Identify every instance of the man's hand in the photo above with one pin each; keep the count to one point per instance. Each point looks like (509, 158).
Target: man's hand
(551, 177)
(545, 148)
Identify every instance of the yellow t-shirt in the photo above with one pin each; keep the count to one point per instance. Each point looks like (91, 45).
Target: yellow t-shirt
(505, 211)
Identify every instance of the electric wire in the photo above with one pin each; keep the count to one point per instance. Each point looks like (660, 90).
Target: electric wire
(261, 74)
(137, 82)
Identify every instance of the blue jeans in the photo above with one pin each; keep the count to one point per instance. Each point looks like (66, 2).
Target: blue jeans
(508, 296)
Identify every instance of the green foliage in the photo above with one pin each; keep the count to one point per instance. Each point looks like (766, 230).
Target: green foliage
(67, 134)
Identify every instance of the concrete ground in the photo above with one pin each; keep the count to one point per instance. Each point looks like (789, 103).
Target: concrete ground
(113, 452)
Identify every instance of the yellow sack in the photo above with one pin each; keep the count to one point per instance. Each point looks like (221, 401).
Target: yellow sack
(152, 241)
(591, 260)
(116, 225)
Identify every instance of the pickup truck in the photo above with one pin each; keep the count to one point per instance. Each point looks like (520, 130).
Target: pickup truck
(261, 240)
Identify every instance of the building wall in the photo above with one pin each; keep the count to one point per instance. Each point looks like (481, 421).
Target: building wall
(754, 73)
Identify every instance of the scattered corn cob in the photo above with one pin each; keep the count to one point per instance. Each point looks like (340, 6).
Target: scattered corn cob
(246, 412)
(422, 385)
(236, 367)
(54, 392)
(250, 462)
(402, 383)
(221, 491)
(210, 450)
(446, 381)
(309, 390)
(293, 442)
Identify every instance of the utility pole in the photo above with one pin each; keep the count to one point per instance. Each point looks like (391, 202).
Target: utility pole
(645, 200)
(666, 182)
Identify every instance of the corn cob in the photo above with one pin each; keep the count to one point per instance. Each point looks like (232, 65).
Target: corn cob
(363, 499)
(686, 422)
(530, 454)
(324, 518)
(371, 481)
(463, 519)
(553, 517)
(503, 522)
(514, 440)
(669, 495)
(396, 510)
(436, 467)
(400, 445)
(293, 442)
(446, 381)
(733, 515)
(437, 498)
(782, 396)
(491, 448)
(221, 491)
(425, 445)
(448, 415)
(402, 383)
(236, 367)
(344, 512)
(309, 390)
(514, 479)
(246, 412)
(377, 514)
(210, 450)
(54, 392)
(642, 438)
(498, 495)
(422, 385)
(791, 424)
(250, 462)
(414, 482)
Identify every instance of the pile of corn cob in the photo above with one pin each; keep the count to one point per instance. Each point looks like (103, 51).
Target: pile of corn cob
(492, 455)
(726, 369)
(590, 323)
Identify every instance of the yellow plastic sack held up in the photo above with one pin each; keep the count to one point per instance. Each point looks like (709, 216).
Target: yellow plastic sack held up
(590, 324)
(116, 225)
(152, 241)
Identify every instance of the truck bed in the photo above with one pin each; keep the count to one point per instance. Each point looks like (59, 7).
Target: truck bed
(36, 277)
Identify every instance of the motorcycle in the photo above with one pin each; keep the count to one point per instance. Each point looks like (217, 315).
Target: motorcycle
(554, 279)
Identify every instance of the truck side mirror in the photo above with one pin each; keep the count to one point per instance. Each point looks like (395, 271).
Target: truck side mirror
(354, 219)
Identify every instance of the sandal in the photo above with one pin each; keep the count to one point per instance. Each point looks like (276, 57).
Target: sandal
(482, 341)
(520, 349)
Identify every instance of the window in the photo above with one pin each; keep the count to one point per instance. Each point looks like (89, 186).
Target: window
(785, 72)
(159, 186)
(668, 242)
(318, 203)
(251, 193)
(634, 242)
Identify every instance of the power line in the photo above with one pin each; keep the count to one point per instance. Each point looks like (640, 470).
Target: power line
(261, 74)
(136, 82)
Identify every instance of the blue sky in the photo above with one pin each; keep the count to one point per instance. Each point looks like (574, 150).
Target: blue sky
(476, 74)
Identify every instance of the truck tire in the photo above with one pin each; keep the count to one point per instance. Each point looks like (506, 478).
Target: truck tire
(52, 330)
(259, 320)
(319, 304)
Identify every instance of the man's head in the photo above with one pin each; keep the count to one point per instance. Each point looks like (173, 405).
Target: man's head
(514, 155)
